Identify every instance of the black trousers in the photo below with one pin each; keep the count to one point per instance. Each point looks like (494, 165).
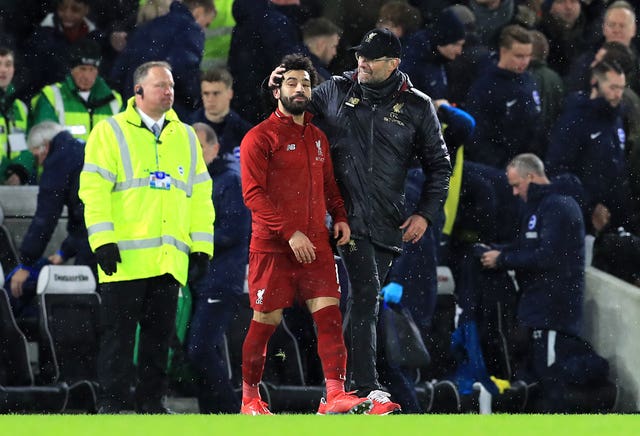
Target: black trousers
(367, 266)
(150, 302)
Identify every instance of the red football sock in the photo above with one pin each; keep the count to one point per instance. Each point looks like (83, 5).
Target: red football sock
(254, 351)
(331, 349)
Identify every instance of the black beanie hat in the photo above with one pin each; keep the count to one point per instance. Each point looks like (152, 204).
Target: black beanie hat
(85, 52)
(448, 28)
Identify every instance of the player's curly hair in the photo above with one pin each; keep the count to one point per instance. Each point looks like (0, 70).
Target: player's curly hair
(300, 62)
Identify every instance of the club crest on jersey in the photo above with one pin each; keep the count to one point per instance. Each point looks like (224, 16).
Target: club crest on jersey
(260, 295)
(320, 156)
(532, 222)
(622, 137)
(398, 107)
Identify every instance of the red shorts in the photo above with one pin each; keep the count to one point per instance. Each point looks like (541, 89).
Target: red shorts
(276, 280)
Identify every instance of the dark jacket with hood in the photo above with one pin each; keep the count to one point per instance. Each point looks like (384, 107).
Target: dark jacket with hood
(58, 188)
(375, 133)
(549, 260)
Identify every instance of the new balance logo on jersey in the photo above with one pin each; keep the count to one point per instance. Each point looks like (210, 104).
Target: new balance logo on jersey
(260, 294)
(291, 147)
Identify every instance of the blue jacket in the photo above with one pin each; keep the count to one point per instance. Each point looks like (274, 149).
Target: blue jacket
(424, 65)
(231, 232)
(176, 38)
(588, 141)
(548, 258)
(230, 131)
(58, 188)
(506, 107)
(260, 39)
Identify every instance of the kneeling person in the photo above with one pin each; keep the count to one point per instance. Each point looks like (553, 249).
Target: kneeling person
(288, 184)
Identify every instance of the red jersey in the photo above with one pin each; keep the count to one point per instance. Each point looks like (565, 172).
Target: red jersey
(288, 183)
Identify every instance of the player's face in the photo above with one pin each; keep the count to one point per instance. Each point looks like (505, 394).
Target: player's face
(612, 88)
(295, 91)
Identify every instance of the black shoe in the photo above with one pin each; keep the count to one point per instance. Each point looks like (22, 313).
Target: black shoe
(108, 409)
(154, 409)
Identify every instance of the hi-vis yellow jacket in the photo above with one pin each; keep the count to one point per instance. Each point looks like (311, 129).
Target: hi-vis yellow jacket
(155, 229)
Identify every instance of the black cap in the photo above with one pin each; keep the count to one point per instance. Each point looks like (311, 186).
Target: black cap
(379, 43)
(448, 29)
(85, 52)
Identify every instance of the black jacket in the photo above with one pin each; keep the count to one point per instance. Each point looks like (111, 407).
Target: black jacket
(374, 138)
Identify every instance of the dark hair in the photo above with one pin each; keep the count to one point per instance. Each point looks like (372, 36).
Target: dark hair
(601, 69)
(540, 43)
(6, 51)
(218, 75)
(300, 62)
(401, 14)
(514, 33)
(618, 53)
(316, 27)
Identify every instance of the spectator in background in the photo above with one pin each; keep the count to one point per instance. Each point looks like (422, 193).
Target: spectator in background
(218, 36)
(505, 104)
(263, 35)
(48, 48)
(83, 99)
(491, 17)
(568, 30)
(152, 9)
(548, 258)
(475, 57)
(177, 38)
(16, 163)
(321, 38)
(61, 157)
(217, 92)
(589, 141)
(619, 26)
(549, 85)
(428, 52)
(216, 298)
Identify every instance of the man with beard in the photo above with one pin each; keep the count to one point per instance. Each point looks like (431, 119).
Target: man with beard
(288, 184)
(377, 123)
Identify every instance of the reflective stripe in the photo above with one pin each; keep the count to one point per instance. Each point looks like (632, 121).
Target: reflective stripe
(106, 174)
(193, 143)
(133, 183)
(124, 149)
(218, 31)
(115, 106)
(100, 227)
(551, 347)
(201, 237)
(153, 243)
(202, 177)
(58, 103)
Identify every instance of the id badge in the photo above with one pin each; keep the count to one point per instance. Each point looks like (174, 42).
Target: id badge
(159, 180)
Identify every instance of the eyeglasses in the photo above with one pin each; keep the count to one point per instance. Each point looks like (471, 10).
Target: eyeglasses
(365, 60)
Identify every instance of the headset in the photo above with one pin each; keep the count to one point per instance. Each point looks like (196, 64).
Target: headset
(140, 91)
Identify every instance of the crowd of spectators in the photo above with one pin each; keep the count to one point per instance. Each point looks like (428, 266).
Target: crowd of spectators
(558, 78)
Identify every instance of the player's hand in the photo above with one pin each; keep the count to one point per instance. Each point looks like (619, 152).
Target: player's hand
(341, 233)
(414, 227)
(275, 79)
(302, 247)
